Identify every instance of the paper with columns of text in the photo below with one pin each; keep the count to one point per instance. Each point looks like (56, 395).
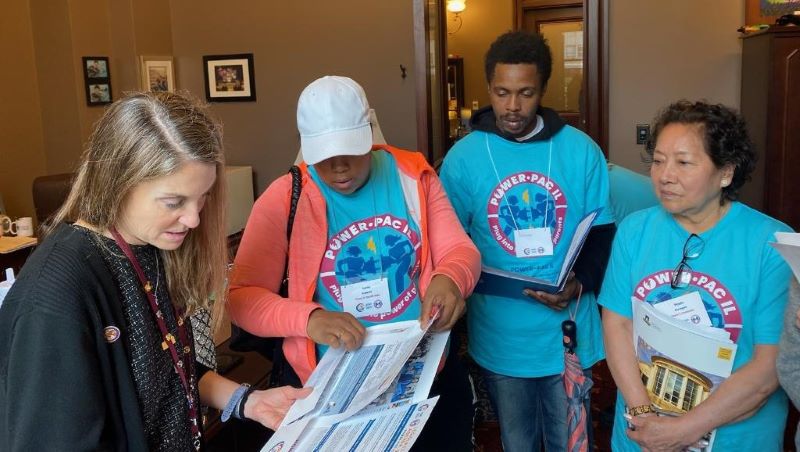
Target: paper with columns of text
(376, 395)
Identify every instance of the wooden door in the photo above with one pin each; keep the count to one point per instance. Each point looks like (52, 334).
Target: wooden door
(577, 34)
(562, 26)
(782, 154)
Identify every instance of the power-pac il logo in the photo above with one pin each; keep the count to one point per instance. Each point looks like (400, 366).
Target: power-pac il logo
(367, 248)
(719, 302)
(525, 200)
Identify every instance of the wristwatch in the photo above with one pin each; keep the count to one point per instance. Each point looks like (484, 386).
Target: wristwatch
(641, 409)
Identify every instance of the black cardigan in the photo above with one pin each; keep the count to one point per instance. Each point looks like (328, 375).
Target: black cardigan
(62, 385)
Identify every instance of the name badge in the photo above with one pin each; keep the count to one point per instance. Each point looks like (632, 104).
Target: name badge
(533, 242)
(367, 298)
(687, 307)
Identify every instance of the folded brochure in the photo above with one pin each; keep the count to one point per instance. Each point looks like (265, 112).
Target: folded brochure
(494, 281)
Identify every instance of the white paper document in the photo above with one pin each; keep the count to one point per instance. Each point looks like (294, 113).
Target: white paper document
(494, 281)
(788, 245)
(687, 307)
(373, 398)
(680, 363)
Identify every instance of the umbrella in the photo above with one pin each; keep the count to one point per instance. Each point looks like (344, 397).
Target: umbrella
(577, 386)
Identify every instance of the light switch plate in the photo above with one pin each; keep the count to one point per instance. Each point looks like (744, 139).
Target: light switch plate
(642, 133)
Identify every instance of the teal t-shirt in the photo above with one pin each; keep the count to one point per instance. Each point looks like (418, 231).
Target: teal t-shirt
(629, 192)
(371, 235)
(498, 186)
(742, 281)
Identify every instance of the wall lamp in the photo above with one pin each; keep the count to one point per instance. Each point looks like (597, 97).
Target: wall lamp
(456, 7)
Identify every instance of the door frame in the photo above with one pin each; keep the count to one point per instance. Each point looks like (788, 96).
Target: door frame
(595, 13)
(428, 70)
(595, 45)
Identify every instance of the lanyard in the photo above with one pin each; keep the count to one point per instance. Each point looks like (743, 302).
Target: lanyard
(181, 364)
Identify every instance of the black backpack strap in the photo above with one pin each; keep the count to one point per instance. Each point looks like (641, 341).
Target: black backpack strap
(297, 188)
(282, 372)
(272, 347)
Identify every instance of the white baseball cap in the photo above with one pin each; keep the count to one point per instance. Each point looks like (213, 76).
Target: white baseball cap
(333, 119)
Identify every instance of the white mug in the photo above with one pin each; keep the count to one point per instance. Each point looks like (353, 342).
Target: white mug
(24, 227)
(5, 225)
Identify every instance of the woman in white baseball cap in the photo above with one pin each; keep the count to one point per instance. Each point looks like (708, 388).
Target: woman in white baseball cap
(369, 218)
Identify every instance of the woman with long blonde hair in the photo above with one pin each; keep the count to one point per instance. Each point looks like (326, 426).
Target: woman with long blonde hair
(98, 334)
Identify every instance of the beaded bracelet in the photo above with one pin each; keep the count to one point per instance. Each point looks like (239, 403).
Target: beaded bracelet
(240, 409)
(234, 401)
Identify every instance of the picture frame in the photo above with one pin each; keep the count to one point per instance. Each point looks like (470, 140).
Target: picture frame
(229, 78)
(157, 73)
(97, 80)
(766, 11)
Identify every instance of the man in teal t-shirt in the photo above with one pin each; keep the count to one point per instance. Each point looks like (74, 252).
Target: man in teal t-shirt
(522, 178)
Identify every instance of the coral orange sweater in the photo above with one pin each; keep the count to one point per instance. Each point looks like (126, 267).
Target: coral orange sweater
(253, 301)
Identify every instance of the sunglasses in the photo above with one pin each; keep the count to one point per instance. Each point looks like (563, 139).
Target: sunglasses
(682, 275)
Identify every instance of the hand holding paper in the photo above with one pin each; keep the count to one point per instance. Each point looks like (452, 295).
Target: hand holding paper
(373, 398)
(662, 433)
(335, 329)
(560, 300)
(443, 296)
(270, 406)
(494, 281)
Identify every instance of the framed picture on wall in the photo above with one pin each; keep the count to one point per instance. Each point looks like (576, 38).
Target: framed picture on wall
(97, 79)
(229, 78)
(157, 73)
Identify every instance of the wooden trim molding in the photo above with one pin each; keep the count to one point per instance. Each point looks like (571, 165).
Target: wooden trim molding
(595, 16)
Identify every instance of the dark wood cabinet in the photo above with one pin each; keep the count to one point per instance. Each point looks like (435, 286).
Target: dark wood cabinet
(770, 102)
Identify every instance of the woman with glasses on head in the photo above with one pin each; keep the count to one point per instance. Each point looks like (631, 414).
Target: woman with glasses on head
(700, 241)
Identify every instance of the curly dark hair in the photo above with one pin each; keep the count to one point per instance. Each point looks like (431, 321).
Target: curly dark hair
(519, 47)
(724, 135)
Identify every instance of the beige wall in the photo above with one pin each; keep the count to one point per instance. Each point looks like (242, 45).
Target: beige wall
(662, 51)
(482, 22)
(682, 49)
(294, 43)
(21, 147)
(659, 52)
(57, 82)
(45, 119)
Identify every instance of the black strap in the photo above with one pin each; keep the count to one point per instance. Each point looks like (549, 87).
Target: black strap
(297, 188)
(272, 347)
(282, 372)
